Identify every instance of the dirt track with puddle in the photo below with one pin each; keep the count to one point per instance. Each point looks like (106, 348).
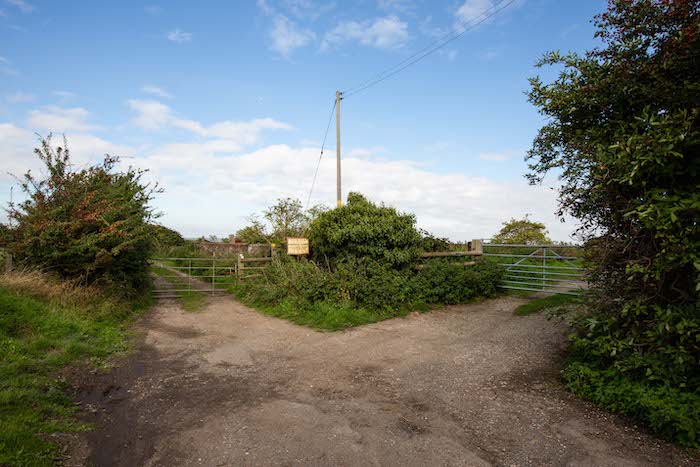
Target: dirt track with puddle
(469, 385)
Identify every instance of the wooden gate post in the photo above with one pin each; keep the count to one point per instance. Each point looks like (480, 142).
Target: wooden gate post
(8, 263)
(239, 268)
(477, 247)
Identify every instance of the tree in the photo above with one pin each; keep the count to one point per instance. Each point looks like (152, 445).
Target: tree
(287, 219)
(253, 233)
(92, 225)
(623, 132)
(522, 232)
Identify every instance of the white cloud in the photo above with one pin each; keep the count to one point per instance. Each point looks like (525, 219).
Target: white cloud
(58, 119)
(17, 156)
(22, 5)
(456, 205)
(179, 36)
(285, 36)
(152, 9)
(230, 135)
(472, 9)
(63, 95)
(151, 114)
(365, 152)
(494, 157)
(307, 10)
(385, 33)
(6, 67)
(265, 8)
(156, 91)
(199, 196)
(20, 97)
(18, 144)
(402, 6)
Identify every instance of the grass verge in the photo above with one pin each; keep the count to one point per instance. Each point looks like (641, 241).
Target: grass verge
(191, 301)
(45, 326)
(324, 315)
(553, 301)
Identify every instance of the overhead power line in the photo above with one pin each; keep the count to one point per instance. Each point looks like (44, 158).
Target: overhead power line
(323, 145)
(429, 49)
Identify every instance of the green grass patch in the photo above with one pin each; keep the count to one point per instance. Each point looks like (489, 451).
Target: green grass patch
(38, 337)
(191, 301)
(553, 301)
(325, 315)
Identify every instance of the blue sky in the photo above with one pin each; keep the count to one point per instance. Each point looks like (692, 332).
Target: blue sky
(226, 102)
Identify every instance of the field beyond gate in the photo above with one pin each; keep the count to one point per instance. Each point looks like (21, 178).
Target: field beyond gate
(540, 268)
(185, 276)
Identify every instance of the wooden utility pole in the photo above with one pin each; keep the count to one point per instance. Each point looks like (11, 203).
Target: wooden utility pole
(337, 144)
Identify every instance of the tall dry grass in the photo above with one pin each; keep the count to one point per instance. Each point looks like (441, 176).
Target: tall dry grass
(91, 300)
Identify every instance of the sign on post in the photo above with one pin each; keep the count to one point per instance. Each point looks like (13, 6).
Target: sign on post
(297, 246)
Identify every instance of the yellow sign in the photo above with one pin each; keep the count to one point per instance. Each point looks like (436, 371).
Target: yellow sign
(297, 246)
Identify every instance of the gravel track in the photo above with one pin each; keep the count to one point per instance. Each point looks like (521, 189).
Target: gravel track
(469, 385)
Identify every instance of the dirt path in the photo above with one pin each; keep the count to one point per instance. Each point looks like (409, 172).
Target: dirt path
(469, 385)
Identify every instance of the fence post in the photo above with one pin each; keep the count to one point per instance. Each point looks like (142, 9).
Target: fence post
(213, 274)
(8, 263)
(544, 269)
(477, 247)
(239, 268)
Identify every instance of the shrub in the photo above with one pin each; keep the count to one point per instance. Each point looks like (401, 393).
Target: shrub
(449, 282)
(166, 238)
(670, 412)
(361, 229)
(91, 225)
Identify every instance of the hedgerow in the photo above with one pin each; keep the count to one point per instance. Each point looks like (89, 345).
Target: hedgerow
(623, 129)
(362, 270)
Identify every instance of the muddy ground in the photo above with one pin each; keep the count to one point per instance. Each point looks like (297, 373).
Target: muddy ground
(468, 385)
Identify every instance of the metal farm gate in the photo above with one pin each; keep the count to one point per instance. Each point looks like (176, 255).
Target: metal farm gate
(540, 268)
(178, 277)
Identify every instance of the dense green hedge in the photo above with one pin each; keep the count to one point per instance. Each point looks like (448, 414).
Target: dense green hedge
(362, 290)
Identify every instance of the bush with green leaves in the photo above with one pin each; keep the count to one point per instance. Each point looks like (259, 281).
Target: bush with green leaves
(363, 229)
(91, 225)
(624, 132)
(166, 238)
(449, 282)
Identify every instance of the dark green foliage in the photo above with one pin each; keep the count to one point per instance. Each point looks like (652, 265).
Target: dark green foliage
(430, 242)
(449, 282)
(363, 271)
(624, 131)
(361, 229)
(522, 232)
(166, 238)
(91, 225)
(672, 413)
(254, 233)
(362, 290)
